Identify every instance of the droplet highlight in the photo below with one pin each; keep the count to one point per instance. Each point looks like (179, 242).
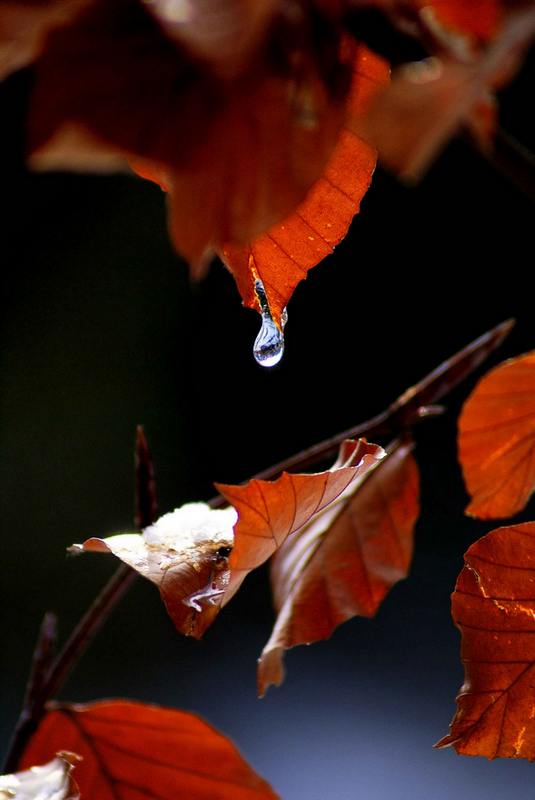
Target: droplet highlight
(268, 348)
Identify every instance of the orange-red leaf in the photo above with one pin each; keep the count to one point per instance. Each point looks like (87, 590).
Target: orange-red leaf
(344, 561)
(282, 256)
(269, 511)
(132, 750)
(497, 440)
(52, 781)
(493, 605)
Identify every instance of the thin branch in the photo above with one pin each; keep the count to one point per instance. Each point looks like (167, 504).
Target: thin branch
(412, 406)
(40, 691)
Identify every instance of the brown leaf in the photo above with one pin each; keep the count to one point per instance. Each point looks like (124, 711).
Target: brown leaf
(52, 781)
(237, 153)
(493, 606)
(497, 440)
(185, 553)
(132, 750)
(344, 561)
(270, 511)
(282, 256)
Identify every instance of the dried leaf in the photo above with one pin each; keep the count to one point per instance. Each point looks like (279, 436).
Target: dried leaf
(185, 553)
(132, 750)
(282, 256)
(493, 606)
(269, 511)
(52, 781)
(497, 440)
(344, 561)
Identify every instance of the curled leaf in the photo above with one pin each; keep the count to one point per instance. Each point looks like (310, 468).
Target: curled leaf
(282, 256)
(133, 750)
(343, 562)
(52, 781)
(497, 440)
(493, 606)
(270, 511)
(185, 553)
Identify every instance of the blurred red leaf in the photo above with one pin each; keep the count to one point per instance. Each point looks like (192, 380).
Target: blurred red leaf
(497, 440)
(428, 102)
(270, 511)
(52, 781)
(132, 750)
(343, 562)
(236, 153)
(282, 256)
(493, 606)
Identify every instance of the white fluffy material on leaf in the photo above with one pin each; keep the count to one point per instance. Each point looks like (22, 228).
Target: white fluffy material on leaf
(49, 782)
(191, 525)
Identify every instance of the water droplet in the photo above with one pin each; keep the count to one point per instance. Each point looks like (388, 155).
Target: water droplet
(269, 344)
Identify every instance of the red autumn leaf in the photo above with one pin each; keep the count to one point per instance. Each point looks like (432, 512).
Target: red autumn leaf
(497, 440)
(237, 153)
(53, 781)
(270, 511)
(493, 606)
(344, 561)
(281, 257)
(132, 750)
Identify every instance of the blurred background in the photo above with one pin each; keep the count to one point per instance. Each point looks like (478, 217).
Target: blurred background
(102, 330)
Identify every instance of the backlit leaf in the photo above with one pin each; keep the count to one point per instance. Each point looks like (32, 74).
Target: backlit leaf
(497, 440)
(282, 256)
(493, 606)
(270, 511)
(52, 781)
(131, 751)
(344, 561)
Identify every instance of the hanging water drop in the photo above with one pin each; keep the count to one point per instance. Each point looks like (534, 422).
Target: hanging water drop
(269, 344)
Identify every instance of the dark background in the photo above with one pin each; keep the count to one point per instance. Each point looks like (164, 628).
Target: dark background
(101, 330)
